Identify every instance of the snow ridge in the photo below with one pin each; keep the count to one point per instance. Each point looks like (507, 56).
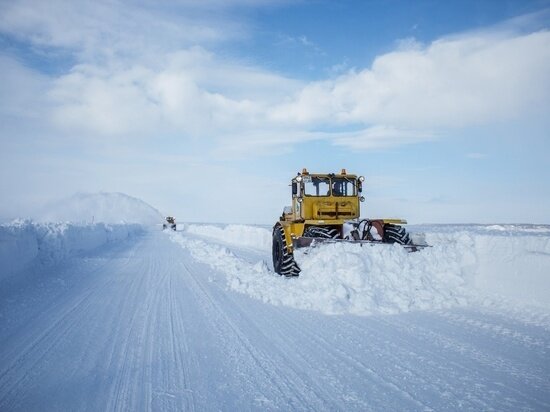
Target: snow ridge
(339, 279)
(465, 265)
(112, 208)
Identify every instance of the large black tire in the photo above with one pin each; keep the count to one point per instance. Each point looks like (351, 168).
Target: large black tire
(396, 234)
(325, 232)
(283, 260)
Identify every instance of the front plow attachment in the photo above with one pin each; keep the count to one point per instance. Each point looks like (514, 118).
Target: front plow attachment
(302, 242)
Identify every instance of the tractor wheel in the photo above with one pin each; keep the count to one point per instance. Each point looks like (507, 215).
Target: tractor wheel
(283, 260)
(396, 234)
(325, 232)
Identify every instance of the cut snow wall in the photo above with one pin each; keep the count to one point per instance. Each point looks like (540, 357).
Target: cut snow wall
(18, 247)
(24, 242)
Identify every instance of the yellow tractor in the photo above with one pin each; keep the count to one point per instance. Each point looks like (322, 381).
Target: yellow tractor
(325, 208)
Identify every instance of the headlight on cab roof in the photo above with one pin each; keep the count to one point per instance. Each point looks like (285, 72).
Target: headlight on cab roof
(361, 179)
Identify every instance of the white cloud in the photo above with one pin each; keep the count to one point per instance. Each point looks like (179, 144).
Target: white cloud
(381, 137)
(279, 140)
(301, 41)
(191, 92)
(21, 90)
(140, 72)
(104, 101)
(450, 83)
(103, 29)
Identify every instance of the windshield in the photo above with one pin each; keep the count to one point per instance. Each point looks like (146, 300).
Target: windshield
(321, 186)
(316, 186)
(343, 186)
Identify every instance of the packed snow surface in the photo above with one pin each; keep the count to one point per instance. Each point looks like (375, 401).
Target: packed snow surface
(101, 207)
(465, 265)
(196, 320)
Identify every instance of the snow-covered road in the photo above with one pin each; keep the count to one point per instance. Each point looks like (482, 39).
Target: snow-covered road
(145, 325)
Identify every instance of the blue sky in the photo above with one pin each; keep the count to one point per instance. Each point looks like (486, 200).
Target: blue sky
(353, 33)
(206, 109)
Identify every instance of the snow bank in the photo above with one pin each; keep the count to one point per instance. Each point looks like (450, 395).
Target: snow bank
(23, 243)
(510, 261)
(467, 264)
(108, 208)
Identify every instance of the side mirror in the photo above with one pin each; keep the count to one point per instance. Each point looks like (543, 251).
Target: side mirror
(294, 188)
(359, 186)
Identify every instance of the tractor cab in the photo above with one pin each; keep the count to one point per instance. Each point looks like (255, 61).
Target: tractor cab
(332, 198)
(326, 208)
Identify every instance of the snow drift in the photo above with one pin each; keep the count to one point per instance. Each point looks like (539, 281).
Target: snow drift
(465, 265)
(24, 243)
(101, 207)
(242, 235)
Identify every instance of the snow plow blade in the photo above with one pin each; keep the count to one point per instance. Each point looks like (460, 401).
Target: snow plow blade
(302, 242)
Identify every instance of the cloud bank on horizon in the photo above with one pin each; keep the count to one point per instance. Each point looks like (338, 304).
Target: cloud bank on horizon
(113, 77)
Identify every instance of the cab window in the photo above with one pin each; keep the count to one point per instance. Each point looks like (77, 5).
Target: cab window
(343, 187)
(316, 186)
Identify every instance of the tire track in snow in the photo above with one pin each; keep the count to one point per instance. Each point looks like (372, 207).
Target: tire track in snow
(486, 369)
(22, 368)
(151, 372)
(387, 389)
(177, 392)
(526, 316)
(61, 320)
(130, 392)
(121, 399)
(119, 362)
(262, 363)
(98, 318)
(180, 352)
(509, 334)
(283, 350)
(428, 374)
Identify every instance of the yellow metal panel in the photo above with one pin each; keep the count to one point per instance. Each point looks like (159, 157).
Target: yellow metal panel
(395, 221)
(292, 229)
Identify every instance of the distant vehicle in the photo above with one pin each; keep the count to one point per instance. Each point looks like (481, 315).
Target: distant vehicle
(170, 222)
